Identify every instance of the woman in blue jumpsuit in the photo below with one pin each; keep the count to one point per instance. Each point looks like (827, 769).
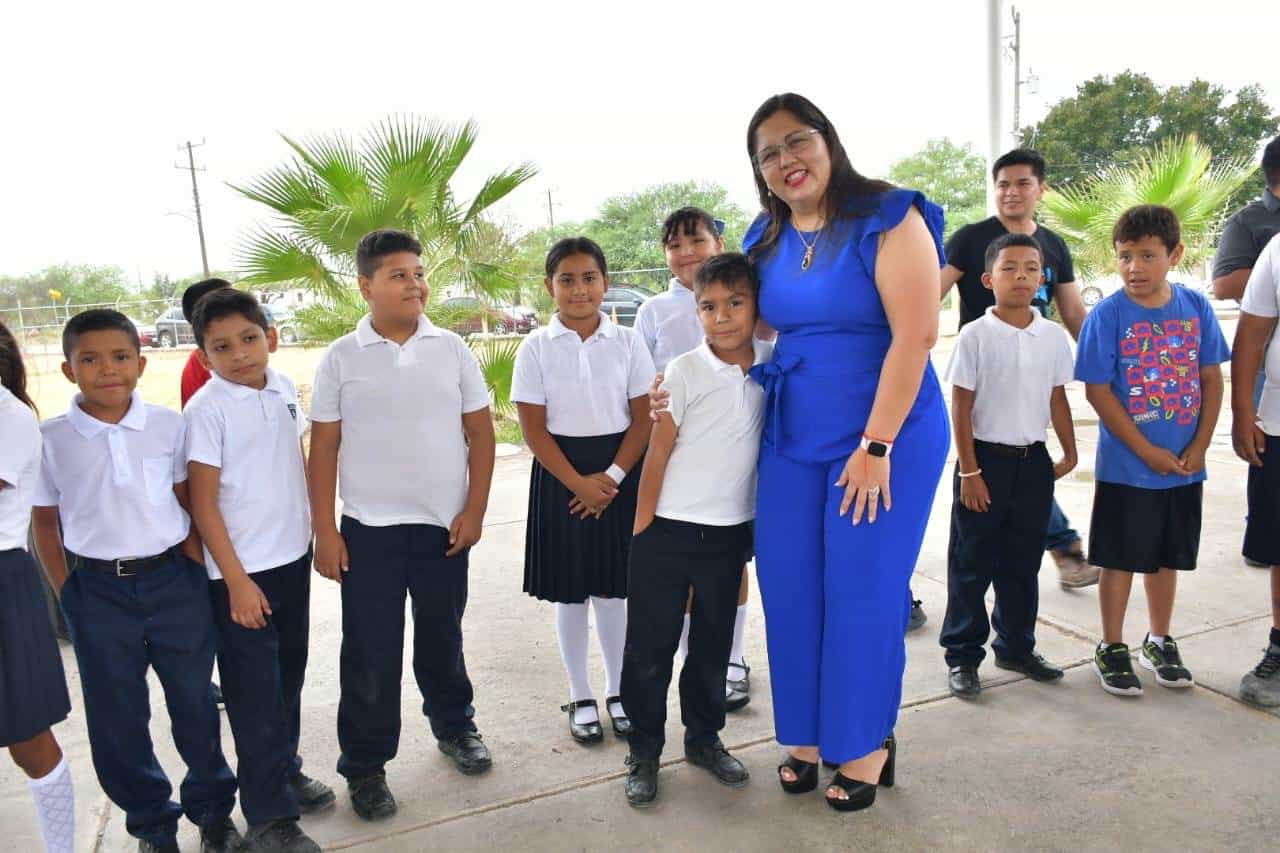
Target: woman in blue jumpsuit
(854, 444)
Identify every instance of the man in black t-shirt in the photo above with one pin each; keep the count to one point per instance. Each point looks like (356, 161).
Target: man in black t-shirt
(1019, 179)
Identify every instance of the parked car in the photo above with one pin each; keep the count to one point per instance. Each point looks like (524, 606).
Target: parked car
(623, 301)
(146, 333)
(173, 329)
(501, 319)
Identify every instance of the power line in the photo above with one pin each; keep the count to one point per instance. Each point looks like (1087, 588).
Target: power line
(195, 195)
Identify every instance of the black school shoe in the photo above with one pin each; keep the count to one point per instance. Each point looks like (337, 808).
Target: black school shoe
(714, 758)
(220, 836)
(1032, 665)
(371, 798)
(279, 836)
(918, 617)
(641, 784)
(468, 752)
(312, 794)
(963, 682)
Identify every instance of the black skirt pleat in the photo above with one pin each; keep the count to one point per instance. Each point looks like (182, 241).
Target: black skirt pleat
(567, 558)
(33, 687)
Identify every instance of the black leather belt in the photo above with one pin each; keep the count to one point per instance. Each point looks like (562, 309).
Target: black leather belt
(1016, 451)
(125, 567)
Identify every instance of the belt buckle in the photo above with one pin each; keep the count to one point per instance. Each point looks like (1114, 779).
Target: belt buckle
(1026, 450)
(120, 570)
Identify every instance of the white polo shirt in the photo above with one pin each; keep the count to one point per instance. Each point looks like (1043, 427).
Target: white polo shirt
(253, 436)
(1012, 373)
(719, 410)
(668, 324)
(586, 385)
(113, 483)
(1262, 299)
(403, 458)
(19, 468)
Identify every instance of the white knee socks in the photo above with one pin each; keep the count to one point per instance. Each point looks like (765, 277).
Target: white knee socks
(56, 806)
(571, 632)
(735, 654)
(611, 628)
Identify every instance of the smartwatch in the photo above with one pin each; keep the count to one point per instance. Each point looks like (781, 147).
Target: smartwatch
(879, 449)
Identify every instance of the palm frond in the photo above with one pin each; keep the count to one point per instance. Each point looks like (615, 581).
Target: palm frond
(497, 358)
(498, 187)
(270, 257)
(335, 162)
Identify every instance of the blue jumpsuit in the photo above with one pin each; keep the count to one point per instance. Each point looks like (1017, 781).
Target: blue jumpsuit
(835, 596)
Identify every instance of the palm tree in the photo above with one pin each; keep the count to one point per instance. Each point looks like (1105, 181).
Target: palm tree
(334, 190)
(1179, 173)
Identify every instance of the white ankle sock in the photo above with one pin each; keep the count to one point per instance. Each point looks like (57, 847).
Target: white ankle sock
(736, 663)
(682, 651)
(56, 806)
(611, 629)
(572, 633)
(1158, 640)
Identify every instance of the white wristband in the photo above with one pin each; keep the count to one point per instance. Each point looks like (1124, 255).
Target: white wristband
(616, 474)
(964, 476)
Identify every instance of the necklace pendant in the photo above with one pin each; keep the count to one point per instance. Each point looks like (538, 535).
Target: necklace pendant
(807, 259)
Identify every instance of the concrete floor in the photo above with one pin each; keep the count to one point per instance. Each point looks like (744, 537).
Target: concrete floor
(1026, 767)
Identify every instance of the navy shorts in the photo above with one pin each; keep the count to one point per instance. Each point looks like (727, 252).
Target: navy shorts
(1262, 531)
(1145, 530)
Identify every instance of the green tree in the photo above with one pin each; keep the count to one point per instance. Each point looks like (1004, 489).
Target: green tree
(1113, 120)
(1182, 174)
(953, 176)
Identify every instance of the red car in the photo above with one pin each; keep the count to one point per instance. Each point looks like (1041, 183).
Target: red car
(469, 312)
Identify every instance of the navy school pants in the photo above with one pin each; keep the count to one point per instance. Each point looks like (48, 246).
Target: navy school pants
(120, 627)
(386, 563)
(261, 672)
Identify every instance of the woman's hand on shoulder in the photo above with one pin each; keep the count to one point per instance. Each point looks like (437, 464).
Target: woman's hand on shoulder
(659, 398)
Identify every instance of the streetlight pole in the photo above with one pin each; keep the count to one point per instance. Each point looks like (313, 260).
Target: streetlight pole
(995, 120)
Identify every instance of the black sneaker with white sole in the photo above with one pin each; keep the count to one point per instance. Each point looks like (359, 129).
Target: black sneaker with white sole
(1166, 662)
(1115, 670)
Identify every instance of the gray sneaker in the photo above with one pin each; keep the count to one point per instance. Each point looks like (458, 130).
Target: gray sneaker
(1074, 571)
(1261, 685)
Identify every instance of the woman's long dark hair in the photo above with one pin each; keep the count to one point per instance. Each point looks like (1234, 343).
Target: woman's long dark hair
(13, 373)
(846, 187)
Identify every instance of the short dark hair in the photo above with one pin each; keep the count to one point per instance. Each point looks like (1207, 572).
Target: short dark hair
(1005, 241)
(686, 221)
(1148, 220)
(575, 246)
(732, 270)
(195, 292)
(376, 245)
(97, 320)
(226, 303)
(1271, 162)
(1020, 157)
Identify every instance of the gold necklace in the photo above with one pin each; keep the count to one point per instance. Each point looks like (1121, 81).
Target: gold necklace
(808, 247)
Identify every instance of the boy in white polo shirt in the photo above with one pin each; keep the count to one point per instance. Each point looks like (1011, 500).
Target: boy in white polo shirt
(1008, 373)
(113, 478)
(401, 408)
(693, 531)
(249, 500)
(1256, 435)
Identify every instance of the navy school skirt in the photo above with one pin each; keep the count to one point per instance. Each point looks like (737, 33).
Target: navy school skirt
(568, 558)
(33, 687)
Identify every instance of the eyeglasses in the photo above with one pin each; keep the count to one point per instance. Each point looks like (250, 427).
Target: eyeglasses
(796, 143)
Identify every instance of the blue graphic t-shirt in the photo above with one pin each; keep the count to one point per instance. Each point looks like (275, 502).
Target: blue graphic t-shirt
(1151, 358)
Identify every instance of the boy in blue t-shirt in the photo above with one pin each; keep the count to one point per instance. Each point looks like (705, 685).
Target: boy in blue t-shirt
(1149, 355)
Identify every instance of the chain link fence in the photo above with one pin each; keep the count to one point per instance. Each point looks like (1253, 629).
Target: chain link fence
(39, 327)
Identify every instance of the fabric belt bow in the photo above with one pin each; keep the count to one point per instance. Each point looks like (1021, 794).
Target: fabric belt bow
(772, 376)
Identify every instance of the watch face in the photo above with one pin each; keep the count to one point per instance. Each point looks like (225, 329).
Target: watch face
(877, 448)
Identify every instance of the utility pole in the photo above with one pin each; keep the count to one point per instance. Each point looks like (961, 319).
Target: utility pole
(195, 195)
(995, 121)
(1017, 70)
(551, 217)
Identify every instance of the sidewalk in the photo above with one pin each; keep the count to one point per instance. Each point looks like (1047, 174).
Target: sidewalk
(1027, 766)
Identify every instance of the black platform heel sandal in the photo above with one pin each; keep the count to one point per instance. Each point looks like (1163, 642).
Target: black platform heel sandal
(862, 795)
(621, 723)
(806, 775)
(586, 733)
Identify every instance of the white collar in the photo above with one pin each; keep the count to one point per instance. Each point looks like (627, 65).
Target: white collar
(1035, 327)
(366, 335)
(606, 329)
(717, 364)
(240, 392)
(677, 287)
(89, 426)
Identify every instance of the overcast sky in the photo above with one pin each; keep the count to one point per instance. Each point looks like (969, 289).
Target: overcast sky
(603, 97)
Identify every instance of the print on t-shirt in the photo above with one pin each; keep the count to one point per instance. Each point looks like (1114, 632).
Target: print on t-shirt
(1162, 370)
